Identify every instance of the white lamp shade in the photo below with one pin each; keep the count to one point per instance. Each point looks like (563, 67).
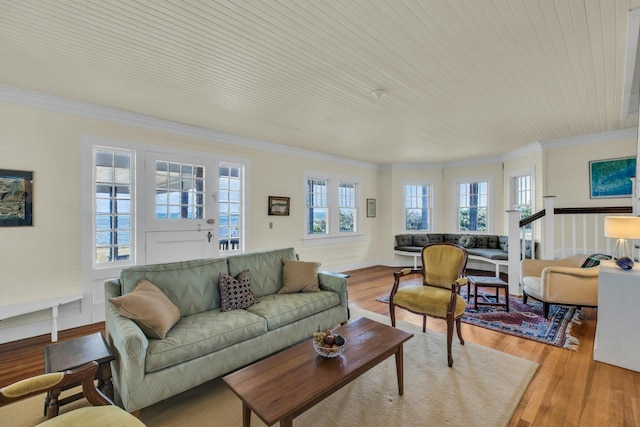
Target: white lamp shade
(622, 227)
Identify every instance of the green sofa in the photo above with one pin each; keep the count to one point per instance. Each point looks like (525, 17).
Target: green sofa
(207, 342)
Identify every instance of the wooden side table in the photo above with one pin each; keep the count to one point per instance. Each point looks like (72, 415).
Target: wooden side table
(72, 354)
(488, 282)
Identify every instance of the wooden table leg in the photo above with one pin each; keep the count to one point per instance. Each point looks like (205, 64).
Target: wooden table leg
(475, 295)
(400, 370)
(506, 297)
(246, 415)
(287, 421)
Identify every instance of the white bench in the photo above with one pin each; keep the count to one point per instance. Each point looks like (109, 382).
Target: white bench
(417, 255)
(13, 310)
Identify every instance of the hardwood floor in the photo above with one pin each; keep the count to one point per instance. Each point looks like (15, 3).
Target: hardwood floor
(569, 389)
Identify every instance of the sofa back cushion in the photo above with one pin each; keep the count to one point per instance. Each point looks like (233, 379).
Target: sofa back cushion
(451, 238)
(265, 267)
(191, 285)
(404, 240)
(421, 240)
(435, 237)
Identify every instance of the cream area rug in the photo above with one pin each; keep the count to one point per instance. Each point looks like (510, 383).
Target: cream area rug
(483, 388)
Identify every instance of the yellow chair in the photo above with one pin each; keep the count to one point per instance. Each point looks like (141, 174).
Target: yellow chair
(443, 269)
(104, 414)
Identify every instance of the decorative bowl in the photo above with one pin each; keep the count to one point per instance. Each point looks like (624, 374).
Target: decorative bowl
(332, 352)
(624, 263)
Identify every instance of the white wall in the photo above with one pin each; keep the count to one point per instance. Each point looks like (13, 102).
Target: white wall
(44, 260)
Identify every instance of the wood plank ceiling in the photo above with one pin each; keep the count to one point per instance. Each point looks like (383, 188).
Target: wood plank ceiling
(463, 79)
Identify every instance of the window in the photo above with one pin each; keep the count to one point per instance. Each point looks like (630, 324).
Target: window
(230, 186)
(473, 206)
(317, 206)
(347, 206)
(522, 196)
(417, 207)
(332, 206)
(179, 191)
(113, 188)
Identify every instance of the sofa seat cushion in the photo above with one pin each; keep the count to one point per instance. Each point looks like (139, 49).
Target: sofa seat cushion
(497, 254)
(282, 309)
(408, 248)
(532, 286)
(203, 333)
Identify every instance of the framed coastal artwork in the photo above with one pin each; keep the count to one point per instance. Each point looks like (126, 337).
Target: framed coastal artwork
(16, 198)
(611, 178)
(279, 205)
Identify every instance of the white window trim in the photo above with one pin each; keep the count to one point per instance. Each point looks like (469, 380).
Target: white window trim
(512, 190)
(245, 167)
(334, 235)
(93, 292)
(133, 194)
(433, 215)
(490, 202)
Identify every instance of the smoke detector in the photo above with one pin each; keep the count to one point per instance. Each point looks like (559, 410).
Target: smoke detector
(377, 93)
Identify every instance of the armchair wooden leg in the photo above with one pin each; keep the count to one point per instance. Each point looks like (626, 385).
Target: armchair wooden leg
(424, 323)
(524, 297)
(459, 330)
(449, 340)
(392, 313)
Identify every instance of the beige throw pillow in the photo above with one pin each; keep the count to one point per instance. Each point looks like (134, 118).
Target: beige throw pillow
(149, 308)
(299, 276)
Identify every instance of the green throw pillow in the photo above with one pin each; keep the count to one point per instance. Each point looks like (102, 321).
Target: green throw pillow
(594, 260)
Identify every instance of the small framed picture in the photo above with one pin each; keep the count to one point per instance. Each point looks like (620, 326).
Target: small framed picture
(279, 205)
(371, 208)
(16, 198)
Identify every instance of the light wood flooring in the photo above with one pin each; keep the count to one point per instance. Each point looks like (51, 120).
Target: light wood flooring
(569, 389)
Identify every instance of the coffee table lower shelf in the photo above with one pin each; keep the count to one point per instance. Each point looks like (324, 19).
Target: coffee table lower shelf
(283, 386)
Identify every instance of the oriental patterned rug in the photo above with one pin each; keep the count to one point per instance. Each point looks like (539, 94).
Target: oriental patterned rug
(523, 320)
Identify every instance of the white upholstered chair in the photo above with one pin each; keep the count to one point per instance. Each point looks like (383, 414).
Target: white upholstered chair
(561, 281)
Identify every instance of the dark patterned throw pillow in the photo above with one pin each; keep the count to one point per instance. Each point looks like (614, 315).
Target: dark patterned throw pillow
(467, 241)
(421, 240)
(235, 293)
(594, 260)
(482, 241)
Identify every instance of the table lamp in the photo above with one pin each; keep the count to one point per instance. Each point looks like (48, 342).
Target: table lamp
(622, 228)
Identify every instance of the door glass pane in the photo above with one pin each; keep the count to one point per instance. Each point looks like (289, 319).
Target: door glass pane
(185, 200)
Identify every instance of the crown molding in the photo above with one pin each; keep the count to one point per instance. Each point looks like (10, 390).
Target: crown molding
(522, 151)
(13, 95)
(591, 138)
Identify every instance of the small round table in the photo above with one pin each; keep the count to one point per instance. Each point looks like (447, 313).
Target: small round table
(488, 282)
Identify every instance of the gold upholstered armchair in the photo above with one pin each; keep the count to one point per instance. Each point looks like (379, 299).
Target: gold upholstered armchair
(103, 414)
(443, 270)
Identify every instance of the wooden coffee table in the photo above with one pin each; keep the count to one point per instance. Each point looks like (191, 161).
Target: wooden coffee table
(283, 386)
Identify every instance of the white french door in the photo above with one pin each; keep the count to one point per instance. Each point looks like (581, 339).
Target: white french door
(181, 212)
